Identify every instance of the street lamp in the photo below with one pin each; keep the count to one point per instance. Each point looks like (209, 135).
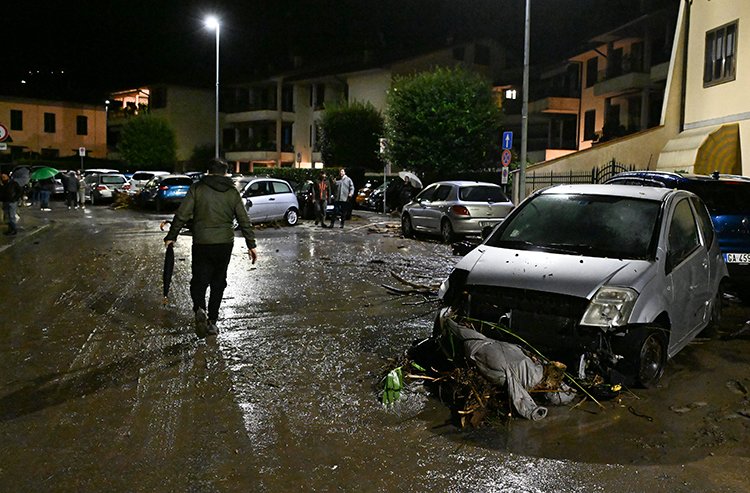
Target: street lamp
(212, 22)
(525, 106)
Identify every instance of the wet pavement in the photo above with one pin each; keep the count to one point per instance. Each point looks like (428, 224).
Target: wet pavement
(105, 388)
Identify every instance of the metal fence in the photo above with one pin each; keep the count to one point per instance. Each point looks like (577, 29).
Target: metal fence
(599, 174)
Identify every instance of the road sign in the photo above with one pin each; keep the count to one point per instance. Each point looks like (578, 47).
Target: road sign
(3, 133)
(3, 146)
(504, 176)
(506, 158)
(82, 151)
(507, 140)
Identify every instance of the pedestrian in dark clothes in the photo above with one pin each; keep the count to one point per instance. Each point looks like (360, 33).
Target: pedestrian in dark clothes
(10, 193)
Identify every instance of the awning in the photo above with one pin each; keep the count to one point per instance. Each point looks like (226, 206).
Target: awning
(703, 151)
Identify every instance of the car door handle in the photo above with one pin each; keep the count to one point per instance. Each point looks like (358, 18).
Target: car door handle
(271, 199)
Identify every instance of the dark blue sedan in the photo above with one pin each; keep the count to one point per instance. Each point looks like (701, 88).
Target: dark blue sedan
(161, 191)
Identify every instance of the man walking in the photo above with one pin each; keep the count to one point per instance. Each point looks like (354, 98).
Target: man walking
(344, 192)
(10, 192)
(212, 203)
(321, 193)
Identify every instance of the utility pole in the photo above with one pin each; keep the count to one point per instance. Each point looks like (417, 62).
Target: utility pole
(525, 107)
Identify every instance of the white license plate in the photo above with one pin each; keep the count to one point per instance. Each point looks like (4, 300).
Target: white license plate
(484, 224)
(737, 258)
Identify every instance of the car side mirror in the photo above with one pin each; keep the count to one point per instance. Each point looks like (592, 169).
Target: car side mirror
(248, 204)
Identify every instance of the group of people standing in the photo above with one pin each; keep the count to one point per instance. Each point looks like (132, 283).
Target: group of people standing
(339, 192)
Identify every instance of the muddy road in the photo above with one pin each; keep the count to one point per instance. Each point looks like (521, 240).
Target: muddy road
(104, 388)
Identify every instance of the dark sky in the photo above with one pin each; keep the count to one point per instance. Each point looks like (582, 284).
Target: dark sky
(112, 44)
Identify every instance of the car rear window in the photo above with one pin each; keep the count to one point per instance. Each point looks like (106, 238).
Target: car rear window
(113, 180)
(722, 197)
(176, 182)
(481, 193)
(143, 176)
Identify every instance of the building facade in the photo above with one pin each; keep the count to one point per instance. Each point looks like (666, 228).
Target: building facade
(51, 129)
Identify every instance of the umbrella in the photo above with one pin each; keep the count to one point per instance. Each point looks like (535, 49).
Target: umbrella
(168, 269)
(408, 175)
(44, 173)
(20, 176)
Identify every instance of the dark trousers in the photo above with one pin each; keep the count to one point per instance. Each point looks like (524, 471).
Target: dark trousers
(320, 210)
(44, 198)
(70, 198)
(9, 209)
(340, 208)
(210, 263)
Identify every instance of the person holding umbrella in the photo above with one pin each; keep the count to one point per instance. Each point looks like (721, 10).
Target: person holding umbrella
(46, 184)
(212, 203)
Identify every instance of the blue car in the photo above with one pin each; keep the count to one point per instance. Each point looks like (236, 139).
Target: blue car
(164, 190)
(727, 198)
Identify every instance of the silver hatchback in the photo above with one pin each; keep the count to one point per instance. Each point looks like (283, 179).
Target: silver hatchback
(610, 279)
(270, 199)
(455, 208)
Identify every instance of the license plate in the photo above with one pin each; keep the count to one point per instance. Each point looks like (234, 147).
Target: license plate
(737, 258)
(484, 224)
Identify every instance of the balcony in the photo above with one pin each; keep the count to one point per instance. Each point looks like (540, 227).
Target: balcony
(560, 105)
(625, 75)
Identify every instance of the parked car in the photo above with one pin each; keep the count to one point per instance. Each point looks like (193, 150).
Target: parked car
(100, 171)
(270, 199)
(163, 190)
(611, 280)
(728, 200)
(455, 208)
(304, 193)
(360, 200)
(102, 187)
(140, 178)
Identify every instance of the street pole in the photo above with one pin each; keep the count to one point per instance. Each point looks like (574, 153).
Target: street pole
(213, 23)
(525, 107)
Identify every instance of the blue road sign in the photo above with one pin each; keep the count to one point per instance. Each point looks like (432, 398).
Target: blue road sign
(507, 140)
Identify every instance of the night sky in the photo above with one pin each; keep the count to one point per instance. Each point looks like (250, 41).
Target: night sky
(108, 45)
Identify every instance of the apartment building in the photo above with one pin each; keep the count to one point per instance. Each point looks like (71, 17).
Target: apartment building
(51, 129)
(275, 122)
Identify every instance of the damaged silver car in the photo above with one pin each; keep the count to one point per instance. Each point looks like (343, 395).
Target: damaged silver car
(611, 280)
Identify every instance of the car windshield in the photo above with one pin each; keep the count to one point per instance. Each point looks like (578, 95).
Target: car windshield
(722, 197)
(481, 193)
(590, 225)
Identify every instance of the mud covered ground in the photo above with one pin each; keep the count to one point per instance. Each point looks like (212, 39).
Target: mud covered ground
(104, 388)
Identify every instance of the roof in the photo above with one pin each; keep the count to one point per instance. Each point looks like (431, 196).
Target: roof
(628, 191)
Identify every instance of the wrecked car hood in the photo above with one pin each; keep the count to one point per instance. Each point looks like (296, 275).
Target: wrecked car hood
(573, 275)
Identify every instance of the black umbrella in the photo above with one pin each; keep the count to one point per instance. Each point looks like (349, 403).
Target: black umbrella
(168, 270)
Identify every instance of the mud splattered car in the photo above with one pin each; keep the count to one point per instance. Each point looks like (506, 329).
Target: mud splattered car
(610, 279)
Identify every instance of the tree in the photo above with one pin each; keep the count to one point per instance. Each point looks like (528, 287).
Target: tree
(148, 143)
(350, 135)
(442, 122)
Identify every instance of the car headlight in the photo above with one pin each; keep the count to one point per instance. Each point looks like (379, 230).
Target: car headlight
(453, 286)
(610, 307)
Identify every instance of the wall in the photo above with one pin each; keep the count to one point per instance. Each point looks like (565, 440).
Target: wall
(192, 115)
(65, 138)
(725, 102)
(370, 86)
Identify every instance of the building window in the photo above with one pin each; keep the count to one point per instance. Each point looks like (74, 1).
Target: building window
(49, 153)
(82, 125)
(721, 55)
(592, 71)
(16, 120)
(49, 123)
(320, 96)
(286, 138)
(589, 123)
(287, 98)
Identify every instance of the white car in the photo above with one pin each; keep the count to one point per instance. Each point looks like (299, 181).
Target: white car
(102, 187)
(270, 199)
(140, 178)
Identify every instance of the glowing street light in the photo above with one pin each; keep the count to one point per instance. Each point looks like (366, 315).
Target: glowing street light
(212, 23)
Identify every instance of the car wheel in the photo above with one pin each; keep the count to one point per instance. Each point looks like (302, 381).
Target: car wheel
(406, 228)
(291, 217)
(446, 231)
(645, 355)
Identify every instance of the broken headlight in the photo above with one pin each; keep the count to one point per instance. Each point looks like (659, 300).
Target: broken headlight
(610, 307)
(453, 286)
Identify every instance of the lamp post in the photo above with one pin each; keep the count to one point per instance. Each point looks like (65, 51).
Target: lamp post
(525, 106)
(212, 22)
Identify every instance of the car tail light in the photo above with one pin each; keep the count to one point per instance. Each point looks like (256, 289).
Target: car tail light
(460, 210)
(163, 187)
(102, 187)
